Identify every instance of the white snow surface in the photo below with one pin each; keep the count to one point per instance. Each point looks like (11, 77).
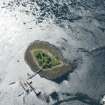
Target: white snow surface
(17, 31)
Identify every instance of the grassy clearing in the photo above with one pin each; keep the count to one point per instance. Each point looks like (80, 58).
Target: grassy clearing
(45, 60)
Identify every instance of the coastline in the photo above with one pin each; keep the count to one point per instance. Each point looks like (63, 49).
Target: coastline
(53, 73)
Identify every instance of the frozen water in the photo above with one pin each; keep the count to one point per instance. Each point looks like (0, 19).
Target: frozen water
(77, 27)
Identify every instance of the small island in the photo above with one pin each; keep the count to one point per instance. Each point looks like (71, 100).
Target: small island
(46, 58)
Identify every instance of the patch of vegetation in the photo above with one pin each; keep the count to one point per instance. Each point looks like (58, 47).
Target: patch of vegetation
(45, 60)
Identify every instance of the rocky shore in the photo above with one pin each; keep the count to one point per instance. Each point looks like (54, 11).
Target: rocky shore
(52, 73)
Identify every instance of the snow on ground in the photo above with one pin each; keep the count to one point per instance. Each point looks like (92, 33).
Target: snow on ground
(18, 30)
(15, 37)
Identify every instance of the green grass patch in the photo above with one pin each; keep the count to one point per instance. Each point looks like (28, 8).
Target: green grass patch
(45, 60)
